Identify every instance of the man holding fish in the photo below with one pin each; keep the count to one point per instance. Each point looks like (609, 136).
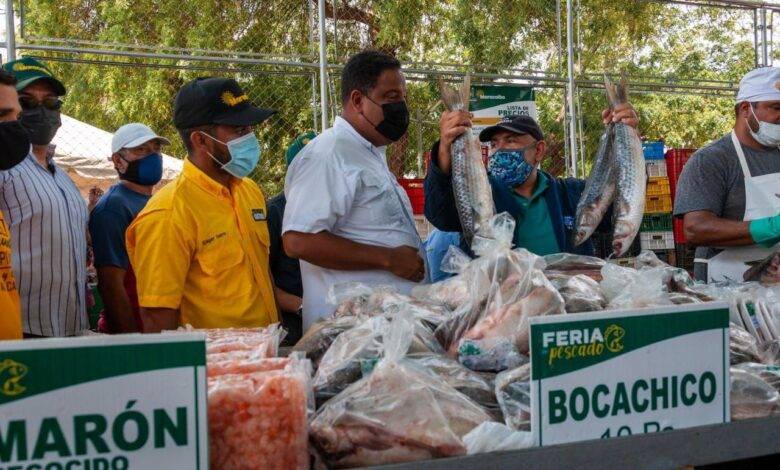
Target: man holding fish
(545, 208)
(729, 191)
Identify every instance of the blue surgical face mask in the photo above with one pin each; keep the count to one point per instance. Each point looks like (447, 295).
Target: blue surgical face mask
(147, 171)
(244, 154)
(509, 166)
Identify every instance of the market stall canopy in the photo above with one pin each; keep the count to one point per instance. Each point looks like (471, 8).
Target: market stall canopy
(84, 152)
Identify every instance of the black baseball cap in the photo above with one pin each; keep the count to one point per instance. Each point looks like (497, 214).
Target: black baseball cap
(215, 100)
(518, 124)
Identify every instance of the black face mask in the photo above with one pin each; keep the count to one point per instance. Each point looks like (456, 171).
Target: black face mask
(14, 144)
(396, 120)
(41, 124)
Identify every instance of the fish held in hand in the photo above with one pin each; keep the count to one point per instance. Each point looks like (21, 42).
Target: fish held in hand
(631, 175)
(599, 189)
(470, 184)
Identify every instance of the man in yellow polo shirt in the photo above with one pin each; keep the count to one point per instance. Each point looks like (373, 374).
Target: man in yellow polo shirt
(14, 147)
(200, 246)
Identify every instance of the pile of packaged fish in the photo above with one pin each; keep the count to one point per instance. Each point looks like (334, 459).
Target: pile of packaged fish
(443, 371)
(258, 403)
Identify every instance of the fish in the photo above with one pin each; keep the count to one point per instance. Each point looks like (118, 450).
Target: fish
(599, 189)
(470, 184)
(631, 175)
(766, 271)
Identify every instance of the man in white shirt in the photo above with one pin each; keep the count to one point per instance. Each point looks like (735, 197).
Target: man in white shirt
(347, 219)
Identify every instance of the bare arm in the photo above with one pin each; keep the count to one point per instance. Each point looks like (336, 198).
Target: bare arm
(155, 320)
(119, 313)
(703, 228)
(333, 252)
(287, 302)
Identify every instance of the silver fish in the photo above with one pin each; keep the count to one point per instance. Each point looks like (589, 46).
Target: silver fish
(599, 189)
(470, 185)
(631, 176)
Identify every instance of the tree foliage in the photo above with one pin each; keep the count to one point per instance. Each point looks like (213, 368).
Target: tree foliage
(642, 39)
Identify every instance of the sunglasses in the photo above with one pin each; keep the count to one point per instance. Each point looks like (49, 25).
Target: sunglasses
(53, 103)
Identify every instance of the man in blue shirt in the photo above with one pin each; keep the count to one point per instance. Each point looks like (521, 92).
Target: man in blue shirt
(543, 206)
(436, 246)
(136, 154)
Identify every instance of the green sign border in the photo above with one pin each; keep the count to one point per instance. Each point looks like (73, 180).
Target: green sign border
(553, 323)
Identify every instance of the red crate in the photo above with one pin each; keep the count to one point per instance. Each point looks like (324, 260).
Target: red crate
(675, 161)
(679, 233)
(416, 192)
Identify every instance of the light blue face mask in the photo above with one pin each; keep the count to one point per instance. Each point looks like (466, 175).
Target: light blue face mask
(244, 154)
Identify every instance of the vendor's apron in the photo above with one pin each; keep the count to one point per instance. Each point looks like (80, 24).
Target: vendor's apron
(762, 199)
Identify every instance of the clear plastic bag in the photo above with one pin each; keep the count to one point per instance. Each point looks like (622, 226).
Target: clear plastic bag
(500, 338)
(513, 392)
(358, 349)
(356, 299)
(751, 396)
(467, 382)
(570, 265)
(742, 345)
(258, 415)
(320, 336)
(398, 413)
(500, 276)
(494, 437)
(580, 292)
(630, 288)
(770, 353)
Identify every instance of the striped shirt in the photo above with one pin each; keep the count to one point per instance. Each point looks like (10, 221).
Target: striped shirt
(47, 218)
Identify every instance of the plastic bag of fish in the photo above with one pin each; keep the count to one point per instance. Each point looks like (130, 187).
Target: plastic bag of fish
(490, 331)
(358, 349)
(399, 412)
(257, 411)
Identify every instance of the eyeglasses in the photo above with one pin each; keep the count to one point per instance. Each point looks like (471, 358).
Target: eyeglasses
(28, 102)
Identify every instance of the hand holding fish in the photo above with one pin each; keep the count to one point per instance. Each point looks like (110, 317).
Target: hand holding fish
(405, 262)
(451, 125)
(624, 113)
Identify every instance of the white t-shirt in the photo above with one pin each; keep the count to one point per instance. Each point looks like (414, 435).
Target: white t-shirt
(340, 183)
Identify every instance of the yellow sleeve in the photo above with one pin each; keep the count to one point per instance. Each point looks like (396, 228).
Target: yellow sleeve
(160, 252)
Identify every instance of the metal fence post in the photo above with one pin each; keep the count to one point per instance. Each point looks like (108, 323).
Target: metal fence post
(571, 88)
(10, 30)
(323, 67)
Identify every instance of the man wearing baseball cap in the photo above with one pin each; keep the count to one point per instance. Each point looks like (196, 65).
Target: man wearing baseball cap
(46, 214)
(728, 191)
(200, 246)
(136, 154)
(543, 206)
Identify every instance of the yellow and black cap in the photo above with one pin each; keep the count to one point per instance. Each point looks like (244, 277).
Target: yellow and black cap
(28, 70)
(215, 100)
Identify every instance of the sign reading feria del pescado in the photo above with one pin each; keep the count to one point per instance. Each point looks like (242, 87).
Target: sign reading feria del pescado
(91, 403)
(621, 373)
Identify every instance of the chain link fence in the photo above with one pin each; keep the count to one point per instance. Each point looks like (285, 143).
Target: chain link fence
(124, 61)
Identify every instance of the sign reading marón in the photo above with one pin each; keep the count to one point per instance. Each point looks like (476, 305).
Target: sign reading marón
(128, 402)
(610, 374)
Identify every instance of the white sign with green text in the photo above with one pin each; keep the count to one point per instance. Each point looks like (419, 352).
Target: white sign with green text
(104, 403)
(620, 373)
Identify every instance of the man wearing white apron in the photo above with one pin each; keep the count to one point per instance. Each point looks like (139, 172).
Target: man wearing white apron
(729, 192)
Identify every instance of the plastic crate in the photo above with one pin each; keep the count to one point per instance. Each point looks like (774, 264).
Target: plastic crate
(653, 150)
(656, 223)
(675, 161)
(414, 189)
(602, 244)
(658, 204)
(656, 169)
(685, 256)
(679, 231)
(657, 240)
(658, 187)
